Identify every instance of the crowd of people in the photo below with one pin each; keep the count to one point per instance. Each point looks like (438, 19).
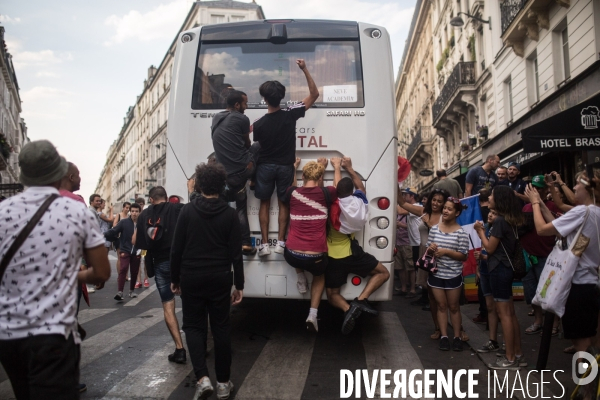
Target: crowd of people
(196, 250)
(528, 216)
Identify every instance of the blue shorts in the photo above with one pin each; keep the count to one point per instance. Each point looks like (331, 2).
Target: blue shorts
(531, 280)
(162, 276)
(270, 175)
(501, 279)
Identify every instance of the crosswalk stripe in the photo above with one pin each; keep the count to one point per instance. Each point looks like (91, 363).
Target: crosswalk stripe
(109, 339)
(387, 346)
(282, 366)
(90, 314)
(155, 378)
(140, 297)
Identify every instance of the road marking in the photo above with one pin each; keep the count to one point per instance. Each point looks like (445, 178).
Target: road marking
(92, 313)
(156, 378)
(109, 339)
(282, 367)
(140, 297)
(387, 346)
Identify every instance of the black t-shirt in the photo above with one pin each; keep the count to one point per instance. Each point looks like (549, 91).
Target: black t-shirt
(229, 140)
(276, 133)
(502, 230)
(518, 185)
(480, 179)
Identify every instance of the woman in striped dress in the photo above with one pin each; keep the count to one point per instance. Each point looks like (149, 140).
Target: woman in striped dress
(449, 243)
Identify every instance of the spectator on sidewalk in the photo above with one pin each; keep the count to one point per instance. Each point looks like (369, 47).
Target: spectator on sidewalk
(538, 248)
(581, 310)
(157, 228)
(403, 263)
(502, 242)
(515, 183)
(344, 253)
(128, 251)
(306, 248)
(40, 342)
(231, 141)
(276, 133)
(482, 177)
(449, 243)
(448, 184)
(502, 174)
(207, 243)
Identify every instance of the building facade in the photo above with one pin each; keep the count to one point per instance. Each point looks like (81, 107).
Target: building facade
(13, 131)
(136, 160)
(499, 67)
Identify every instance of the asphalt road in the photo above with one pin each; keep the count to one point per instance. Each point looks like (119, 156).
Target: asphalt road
(275, 357)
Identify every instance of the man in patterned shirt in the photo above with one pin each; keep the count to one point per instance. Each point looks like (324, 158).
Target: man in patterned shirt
(39, 339)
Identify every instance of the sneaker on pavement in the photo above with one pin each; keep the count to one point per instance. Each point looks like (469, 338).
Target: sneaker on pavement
(133, 295)
(204, 389)
(91, 289)
(504, 363)
(350, 318)
(263, 250)
(457, 344)
(146, 283)
(119, 296)
(502, 351)
(445, 344)
(179, 357)
(521, 361)
(489, 347)
(138, 285)
(364, 306)
(224, 390)
(302, 286)
(280, 247)
(312, 324)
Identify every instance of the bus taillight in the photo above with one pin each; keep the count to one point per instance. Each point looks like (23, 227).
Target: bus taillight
(383, 203)
(356, 280)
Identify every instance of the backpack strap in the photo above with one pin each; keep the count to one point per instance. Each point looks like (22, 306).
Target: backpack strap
(24, 233)
(327, 197)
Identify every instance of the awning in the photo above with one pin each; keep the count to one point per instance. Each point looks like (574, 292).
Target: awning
(577, 128)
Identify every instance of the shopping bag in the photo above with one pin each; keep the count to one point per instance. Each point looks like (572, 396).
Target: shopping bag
(555, 281)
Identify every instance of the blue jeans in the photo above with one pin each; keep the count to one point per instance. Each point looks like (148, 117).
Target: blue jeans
(270, 175)
(531, 280)
(162, 276)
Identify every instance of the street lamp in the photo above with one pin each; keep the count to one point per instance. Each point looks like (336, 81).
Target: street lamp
(458, 21)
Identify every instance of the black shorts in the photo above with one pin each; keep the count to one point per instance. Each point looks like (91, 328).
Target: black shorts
(445, 284)
(581, 312)
(313, 263)
(339, 268)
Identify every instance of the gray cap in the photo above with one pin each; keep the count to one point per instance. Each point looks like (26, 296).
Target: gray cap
(41, 164)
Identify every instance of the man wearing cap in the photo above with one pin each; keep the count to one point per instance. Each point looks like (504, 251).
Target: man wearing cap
(39, 339)
(538, 248)
(515, 183)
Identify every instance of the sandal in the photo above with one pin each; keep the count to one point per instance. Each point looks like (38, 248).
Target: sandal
(436, 335)
(463, 336)
(569, 350)
(533, 329)
(555, 331)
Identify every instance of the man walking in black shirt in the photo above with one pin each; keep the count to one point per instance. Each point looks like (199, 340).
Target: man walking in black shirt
(276, 133)
(231, 141)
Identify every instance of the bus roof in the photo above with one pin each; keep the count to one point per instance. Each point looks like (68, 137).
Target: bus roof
(280, 30)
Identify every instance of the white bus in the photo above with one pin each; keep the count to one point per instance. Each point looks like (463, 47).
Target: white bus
(351, 64)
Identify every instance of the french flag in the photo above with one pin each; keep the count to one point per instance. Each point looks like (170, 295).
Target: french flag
(467, 220)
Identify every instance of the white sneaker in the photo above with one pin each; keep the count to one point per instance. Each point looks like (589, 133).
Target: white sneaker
(302, 287)
(204, 389)
(91, 289)
(224, 390)
(132, 295)
(312, 324)
(263, 250)
(280, 247)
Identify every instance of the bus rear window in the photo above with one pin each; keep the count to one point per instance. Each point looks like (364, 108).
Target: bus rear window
(334, 65)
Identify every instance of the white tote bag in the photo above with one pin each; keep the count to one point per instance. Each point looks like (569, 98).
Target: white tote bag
(555, 282)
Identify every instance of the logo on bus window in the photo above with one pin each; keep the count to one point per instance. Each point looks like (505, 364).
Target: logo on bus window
(346, 113)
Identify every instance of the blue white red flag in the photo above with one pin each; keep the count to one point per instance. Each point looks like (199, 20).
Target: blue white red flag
(467, 220)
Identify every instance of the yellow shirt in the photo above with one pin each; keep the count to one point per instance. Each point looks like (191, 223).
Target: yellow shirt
(338, 244)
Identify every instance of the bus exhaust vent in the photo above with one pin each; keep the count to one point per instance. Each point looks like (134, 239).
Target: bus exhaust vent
(278, 34)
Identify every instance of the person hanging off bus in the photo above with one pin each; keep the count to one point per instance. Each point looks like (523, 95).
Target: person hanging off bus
(306, 248)
(276, 133)
(231, 141)
(345, 256)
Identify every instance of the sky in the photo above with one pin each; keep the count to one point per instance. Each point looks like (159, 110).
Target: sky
(81, 64)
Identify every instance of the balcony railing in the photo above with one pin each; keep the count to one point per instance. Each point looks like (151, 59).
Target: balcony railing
(423, 135)
(509, 10)
(463, 74)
